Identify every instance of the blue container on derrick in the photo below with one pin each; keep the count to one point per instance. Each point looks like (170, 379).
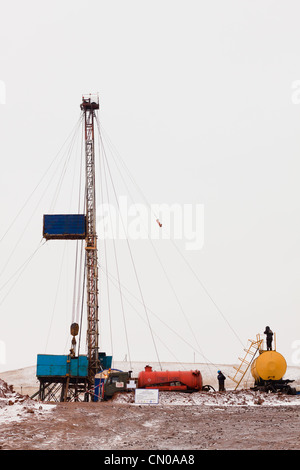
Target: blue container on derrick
(64, 227)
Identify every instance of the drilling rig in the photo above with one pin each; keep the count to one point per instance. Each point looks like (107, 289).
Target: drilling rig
(71, 377)
(89, 107)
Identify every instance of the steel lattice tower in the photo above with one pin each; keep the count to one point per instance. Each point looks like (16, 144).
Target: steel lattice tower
(89, 105)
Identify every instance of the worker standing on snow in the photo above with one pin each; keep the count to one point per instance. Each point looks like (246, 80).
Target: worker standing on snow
(269, 333)
(221, 379)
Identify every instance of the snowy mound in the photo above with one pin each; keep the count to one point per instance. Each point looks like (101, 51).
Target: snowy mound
(15, 407)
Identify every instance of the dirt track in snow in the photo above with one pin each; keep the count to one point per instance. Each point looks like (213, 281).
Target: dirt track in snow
(187, 424)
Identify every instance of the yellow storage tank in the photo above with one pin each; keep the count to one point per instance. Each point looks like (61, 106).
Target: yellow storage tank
(270, 365)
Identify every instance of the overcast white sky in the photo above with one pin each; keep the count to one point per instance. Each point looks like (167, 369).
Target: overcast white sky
(197, 96)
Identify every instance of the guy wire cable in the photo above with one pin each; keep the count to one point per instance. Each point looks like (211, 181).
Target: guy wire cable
(164, 271)
(175, 246)
(21, 269)
(106, 261)
(38, 184)
(110, 277)
(117, 268)
(130, 252)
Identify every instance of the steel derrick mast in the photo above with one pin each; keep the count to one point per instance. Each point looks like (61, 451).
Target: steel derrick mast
(72, 377)
(89, 105)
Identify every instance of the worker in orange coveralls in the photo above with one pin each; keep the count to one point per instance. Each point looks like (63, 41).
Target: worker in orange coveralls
(221, 379)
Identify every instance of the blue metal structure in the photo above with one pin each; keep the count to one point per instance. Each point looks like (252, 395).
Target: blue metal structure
(65, 374)
(64, 227)
(49, 365)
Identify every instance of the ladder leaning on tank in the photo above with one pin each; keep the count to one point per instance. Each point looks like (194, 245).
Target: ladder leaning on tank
(250, 353)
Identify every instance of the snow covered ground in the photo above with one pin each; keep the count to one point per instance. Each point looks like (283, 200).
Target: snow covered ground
(19, 411)
(16, 407)
(216, 399)
(235, 419)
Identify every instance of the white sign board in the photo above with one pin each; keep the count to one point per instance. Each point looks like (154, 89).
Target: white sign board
(131, 384)
(146, 396)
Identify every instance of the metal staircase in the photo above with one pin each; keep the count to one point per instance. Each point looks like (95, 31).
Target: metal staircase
(245, 362)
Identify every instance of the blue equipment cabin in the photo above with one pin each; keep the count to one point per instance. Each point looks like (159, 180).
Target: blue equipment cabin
(49, 365)
(64, 227)
(58, 373)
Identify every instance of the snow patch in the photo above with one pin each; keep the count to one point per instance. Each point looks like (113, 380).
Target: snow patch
(16, 407)
(215, 399)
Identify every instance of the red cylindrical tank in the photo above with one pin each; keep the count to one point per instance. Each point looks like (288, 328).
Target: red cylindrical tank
(170, 380)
